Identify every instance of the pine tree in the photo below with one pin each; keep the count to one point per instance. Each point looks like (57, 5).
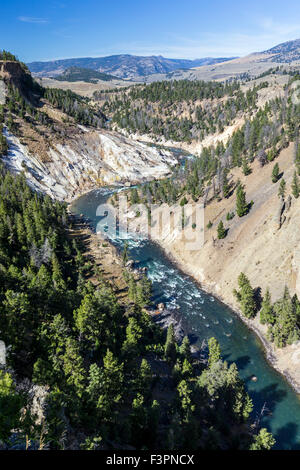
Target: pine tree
(285, 330)
(125, 253)
(225, 183)
(138, 419)
(57, 277)
(187, 369)
(297, 158)
(185, 349)
(144, 377)
(3, 143)
(271, 154)
(241, 204)
(275, 173)
(245, 167)
(222, 232)
(183, 201)
(134, 333)
(246, 296)
(295, 186)
(214, 354)
(263, 441)
(105, 384)
(170, 345)
(239, 400)
(185, 395)
(153, 420)
(10, 406)
(266, 313)
(134, 198)
(132, 289)
(143, 291)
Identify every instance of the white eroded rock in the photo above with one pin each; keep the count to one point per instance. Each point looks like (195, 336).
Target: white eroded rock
(88, 161)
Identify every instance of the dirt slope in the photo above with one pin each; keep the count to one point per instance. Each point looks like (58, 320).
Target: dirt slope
(256, 244)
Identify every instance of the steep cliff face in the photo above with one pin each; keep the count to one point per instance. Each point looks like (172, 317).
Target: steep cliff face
(13, 71)
(16, 74)
(86, 161)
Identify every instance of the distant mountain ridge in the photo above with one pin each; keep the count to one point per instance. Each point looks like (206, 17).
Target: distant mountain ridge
(136, 68)
(123, 66)
(285, 52)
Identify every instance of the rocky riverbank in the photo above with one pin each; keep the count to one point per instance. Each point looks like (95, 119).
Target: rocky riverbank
(285, 360)
(109, 262)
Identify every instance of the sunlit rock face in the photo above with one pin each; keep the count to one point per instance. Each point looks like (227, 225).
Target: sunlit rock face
(87, 161)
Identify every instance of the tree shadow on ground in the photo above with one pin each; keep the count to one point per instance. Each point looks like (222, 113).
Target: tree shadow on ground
(287, 437)
(242, 362)
(258, 298)
(270, 395)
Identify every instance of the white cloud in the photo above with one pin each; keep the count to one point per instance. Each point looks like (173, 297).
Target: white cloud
(31, 19)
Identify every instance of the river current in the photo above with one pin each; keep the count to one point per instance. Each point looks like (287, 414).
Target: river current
(203, 316)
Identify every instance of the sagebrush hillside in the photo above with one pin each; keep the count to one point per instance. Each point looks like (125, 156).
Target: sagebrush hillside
(286, 52)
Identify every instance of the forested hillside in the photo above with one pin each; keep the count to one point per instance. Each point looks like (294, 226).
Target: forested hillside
(182, 111)
(75, 74)
(75, 106)
(261, 138)
(108, 375)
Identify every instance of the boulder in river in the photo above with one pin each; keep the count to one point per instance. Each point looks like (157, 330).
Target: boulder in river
(130, 264)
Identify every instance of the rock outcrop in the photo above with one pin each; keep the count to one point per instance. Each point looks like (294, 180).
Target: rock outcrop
(87, 161)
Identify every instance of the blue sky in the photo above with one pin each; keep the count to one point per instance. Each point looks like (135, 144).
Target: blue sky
(58, 29)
